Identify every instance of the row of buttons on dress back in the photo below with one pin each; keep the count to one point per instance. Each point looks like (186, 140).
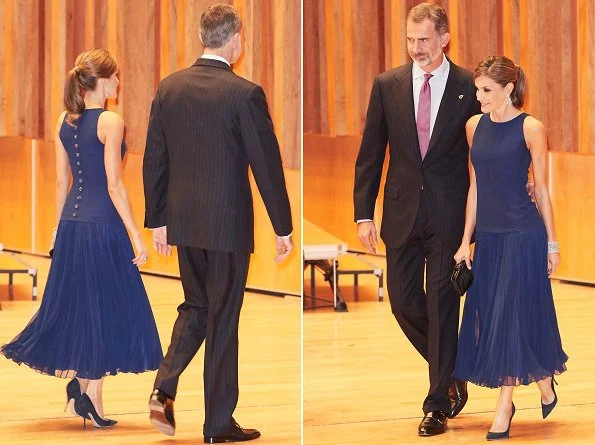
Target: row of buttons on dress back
(78, 179)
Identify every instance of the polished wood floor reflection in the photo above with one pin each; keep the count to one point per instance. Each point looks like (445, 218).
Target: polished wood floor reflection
(364, 383)
(31, 404)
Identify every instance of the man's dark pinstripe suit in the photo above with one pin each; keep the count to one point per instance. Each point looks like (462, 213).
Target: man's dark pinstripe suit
(420, 226)
(207, 126)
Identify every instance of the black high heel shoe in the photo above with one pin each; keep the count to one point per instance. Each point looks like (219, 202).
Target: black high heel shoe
(505, 434)
(73, 392)
(84, 408)
(547, 409)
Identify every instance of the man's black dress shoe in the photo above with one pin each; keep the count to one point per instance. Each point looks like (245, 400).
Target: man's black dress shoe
(162, 412)
(237, 434)
(457, 394)
(433, 423)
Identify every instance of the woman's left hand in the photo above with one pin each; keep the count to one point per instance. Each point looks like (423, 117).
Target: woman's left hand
(142, 252)
(553, 260)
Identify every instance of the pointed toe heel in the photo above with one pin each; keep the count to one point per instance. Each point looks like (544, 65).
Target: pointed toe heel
(73, 392)
(547, 409)
(84, 408)
(505, 434)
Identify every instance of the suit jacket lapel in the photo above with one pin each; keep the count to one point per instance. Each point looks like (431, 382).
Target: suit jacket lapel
(403, 88)
(449, 106)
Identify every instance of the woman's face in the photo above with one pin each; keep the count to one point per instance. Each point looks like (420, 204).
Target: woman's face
(490, 94)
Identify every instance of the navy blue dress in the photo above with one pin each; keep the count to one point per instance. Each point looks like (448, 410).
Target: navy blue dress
(95, 318)
(509, 332)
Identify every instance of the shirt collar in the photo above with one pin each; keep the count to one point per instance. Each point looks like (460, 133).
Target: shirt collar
(439, 72)
(214, 57)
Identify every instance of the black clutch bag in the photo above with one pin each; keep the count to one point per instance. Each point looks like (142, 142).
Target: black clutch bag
(461, 278)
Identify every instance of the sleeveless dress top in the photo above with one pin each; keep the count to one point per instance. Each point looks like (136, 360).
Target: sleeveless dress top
(501, 161)
(88, 199)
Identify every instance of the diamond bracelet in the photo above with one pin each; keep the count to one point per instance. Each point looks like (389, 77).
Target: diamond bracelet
(553, 247)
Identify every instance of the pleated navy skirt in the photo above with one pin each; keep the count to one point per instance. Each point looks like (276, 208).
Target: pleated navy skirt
(509, 333)
(95, 318)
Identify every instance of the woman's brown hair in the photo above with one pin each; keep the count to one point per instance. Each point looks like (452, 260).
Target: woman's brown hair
(89, 66)
(502, 70)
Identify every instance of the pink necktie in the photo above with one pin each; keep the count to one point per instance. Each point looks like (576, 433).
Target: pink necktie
(423, 116)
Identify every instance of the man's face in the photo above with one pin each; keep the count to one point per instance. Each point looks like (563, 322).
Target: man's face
(424, 44)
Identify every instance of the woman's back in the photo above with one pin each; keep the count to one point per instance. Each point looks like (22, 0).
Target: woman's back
(88, 199)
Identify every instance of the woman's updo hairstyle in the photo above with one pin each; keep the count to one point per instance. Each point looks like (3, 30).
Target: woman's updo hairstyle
(89, 66)
(502, 70)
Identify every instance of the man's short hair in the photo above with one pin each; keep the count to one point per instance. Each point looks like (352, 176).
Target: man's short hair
(218, 23)
(431, 11)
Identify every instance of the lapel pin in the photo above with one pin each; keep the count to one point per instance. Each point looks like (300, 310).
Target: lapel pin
(460, 96)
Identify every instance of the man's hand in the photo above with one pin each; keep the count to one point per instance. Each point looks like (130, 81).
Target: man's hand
(160, 241)
(366, 231)
(284, 247)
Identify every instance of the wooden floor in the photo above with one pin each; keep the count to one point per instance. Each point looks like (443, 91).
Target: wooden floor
(31, 404)
(364, 382)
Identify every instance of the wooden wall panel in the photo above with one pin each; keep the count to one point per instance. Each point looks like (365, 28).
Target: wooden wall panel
(349, 42)
(573, 199)
(329, 166)
(4, 79)
(314, 70)
(44, 196)
(328, 201)
(586, 90)
(328, 184)
(264, 272)
(21, 195)
(150, 40)
(15, 193)
(138, 71)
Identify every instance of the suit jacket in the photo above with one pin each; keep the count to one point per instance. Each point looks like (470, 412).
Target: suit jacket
(443, 173)
(207, 125)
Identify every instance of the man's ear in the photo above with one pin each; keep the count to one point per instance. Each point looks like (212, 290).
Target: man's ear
(444, 39)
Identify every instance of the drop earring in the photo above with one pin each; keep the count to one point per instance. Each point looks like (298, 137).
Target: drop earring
(508, 101)
(105, 92)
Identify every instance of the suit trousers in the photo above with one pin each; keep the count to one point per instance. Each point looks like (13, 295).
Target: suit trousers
(429, 318)
(214, 284)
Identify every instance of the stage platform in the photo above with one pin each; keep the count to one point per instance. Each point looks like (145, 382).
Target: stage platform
(31, 406)
(11, 264)
(364, 383)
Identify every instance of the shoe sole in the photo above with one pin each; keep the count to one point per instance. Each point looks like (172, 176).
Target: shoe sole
(158, 420)
(96, 425)
(226, 440)
(456, 413)
(420, 434)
